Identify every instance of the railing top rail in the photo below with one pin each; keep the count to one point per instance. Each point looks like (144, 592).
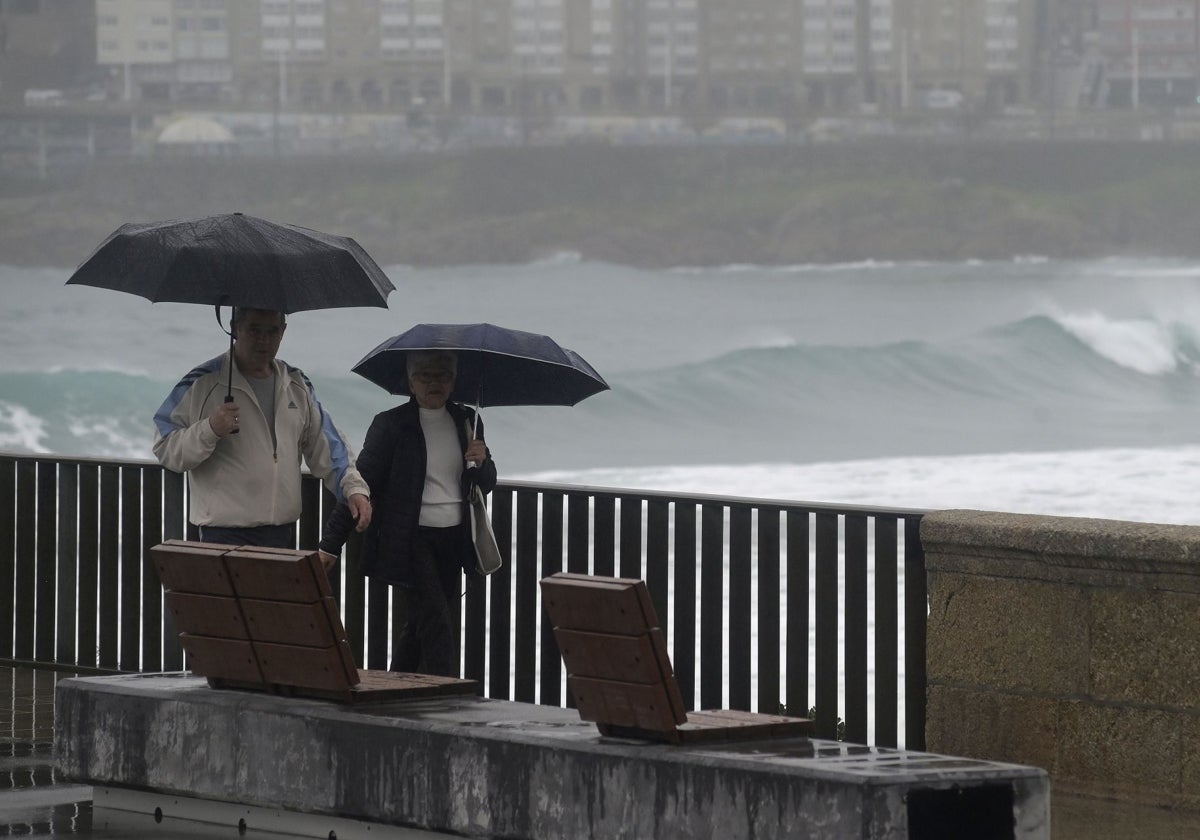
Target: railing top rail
(61, 458)
(665, 495)
(569, 489)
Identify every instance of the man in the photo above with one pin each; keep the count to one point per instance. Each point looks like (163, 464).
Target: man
(243, 457)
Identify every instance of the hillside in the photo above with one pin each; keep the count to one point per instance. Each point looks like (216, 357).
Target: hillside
(652, 207)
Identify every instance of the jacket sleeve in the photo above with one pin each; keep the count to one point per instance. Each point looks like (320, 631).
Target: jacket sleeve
(183, 437)
(373, 466)
(327, 454)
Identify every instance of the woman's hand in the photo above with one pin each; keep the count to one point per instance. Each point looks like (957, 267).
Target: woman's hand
(476, 453)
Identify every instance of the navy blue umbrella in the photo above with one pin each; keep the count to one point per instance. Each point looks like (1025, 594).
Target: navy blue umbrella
(496, 365)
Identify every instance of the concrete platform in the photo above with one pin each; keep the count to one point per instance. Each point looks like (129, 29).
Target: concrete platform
(487, 768)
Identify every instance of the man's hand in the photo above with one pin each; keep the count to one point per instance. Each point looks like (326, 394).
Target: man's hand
(360, 509)
(224, 420)
(328, 561)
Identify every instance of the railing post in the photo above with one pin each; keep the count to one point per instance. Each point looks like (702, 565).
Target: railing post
(152, 593)
(109, 567)
(827, 625)
(25, 615)
(796, 645)
(500, 592)
(8, 551)
(916, 616)
(712, 605)
(525, 578)
(87, 650)
(550, 664)
(769, 614)
(741, 608)
(683, 655)
(66, 599)
(130, 553)
(46, 529)
(855, 620)
(887, 650)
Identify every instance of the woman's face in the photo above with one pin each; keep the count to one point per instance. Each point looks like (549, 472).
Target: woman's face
(431, 385)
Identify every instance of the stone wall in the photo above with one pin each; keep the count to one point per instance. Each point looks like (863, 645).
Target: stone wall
(1069, 644)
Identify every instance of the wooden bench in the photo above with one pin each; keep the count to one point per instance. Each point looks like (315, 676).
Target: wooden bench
(266, 619)
(619, 672)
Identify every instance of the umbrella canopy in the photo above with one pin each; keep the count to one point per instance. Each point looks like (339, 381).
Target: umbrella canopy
(236, 260)
(496, 365)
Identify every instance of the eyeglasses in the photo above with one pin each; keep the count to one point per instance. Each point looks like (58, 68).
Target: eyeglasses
(268, 333)
(429, 377)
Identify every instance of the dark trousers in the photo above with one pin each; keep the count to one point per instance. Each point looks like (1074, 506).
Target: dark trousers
(428, 644)
(274, 536)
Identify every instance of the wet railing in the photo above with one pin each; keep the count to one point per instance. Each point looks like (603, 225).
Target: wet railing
(767, 605)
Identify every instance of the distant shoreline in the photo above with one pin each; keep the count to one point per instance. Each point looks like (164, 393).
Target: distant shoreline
(652, 207)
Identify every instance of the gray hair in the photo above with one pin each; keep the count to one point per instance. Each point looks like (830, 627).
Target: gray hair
(421, 359)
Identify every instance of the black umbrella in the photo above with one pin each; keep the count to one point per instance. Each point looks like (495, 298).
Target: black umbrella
(496, 365)
(235, 260)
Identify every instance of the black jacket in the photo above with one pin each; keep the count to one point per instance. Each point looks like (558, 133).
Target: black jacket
(393, 464)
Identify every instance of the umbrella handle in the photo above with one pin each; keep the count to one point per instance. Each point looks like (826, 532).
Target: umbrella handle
(473, 433)
(229, 391)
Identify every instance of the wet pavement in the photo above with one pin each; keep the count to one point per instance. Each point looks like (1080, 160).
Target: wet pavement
(35, 803)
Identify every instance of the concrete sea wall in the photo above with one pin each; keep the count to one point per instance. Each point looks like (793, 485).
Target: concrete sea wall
(1069, 644)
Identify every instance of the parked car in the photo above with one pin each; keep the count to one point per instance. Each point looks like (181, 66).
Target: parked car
(943, 100)
(43, 96)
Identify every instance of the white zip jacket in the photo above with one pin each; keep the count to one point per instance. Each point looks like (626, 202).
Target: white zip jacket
(241, 481)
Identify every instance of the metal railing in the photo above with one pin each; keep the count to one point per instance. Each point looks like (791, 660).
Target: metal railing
(767, 605)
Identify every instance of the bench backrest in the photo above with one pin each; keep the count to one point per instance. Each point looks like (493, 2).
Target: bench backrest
(252, 616)
(618, 669)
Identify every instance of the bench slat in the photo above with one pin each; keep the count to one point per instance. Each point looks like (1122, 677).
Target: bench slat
(270, 576)
(207, 615)
(623, 704)
(184, 567)
(230, 659)
(295, 624)
(597, 604)
(732, 724)
(607, 656)
(299, 666)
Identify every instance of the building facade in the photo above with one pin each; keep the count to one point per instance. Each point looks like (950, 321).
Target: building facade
(47, 46)
(1150, 52)
(690, 58)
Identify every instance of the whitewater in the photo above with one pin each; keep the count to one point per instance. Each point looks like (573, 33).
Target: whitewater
(1029, 385)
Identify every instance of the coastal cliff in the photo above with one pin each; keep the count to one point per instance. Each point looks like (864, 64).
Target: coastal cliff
(650, 206)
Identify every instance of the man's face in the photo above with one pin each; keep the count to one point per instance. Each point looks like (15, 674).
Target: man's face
(258, 333)
(431, 384)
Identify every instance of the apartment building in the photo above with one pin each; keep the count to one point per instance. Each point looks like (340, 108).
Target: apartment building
(1150, 51)
(576, 56)
(46, 45)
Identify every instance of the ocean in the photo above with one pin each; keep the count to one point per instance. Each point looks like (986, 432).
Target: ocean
(1030, 385)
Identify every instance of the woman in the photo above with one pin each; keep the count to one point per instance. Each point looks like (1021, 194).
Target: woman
(420, 459)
